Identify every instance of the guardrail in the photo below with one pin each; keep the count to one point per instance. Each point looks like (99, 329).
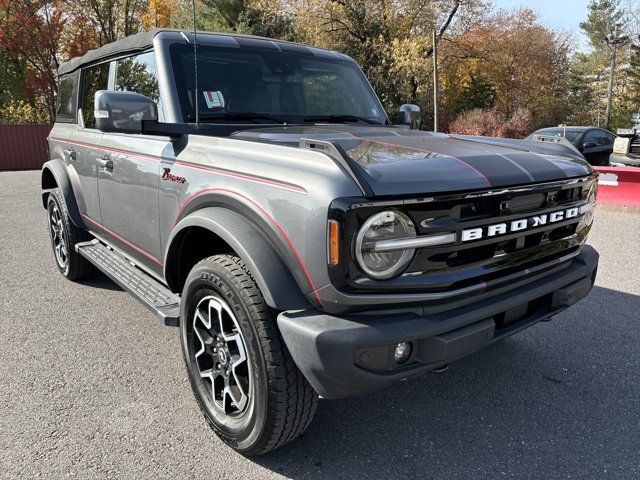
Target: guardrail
(619, 185)
(23, 147)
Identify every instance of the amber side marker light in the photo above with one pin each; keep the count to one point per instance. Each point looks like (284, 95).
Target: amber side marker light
(333, 234)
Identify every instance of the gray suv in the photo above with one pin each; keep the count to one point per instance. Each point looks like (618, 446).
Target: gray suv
(305, 246)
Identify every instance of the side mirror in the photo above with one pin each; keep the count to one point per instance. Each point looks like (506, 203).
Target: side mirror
(410, 115)
(123, 112)
(587, 145)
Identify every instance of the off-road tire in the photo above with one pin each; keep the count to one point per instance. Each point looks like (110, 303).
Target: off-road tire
(282, 403)
(76, 267)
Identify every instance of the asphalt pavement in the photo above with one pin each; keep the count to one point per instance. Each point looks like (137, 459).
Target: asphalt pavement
(93, 386)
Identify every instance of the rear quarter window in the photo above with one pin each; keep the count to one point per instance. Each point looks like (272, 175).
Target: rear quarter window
(66, 100)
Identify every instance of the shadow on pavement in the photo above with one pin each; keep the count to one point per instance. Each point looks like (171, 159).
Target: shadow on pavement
(100, 280)
(555, 400)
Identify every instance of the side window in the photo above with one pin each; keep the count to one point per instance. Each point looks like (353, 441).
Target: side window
(67, 98)
(599, 137)
(139, 74)
(93, 79)
(610, 139)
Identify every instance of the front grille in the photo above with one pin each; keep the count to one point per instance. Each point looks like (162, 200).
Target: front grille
(486, 260)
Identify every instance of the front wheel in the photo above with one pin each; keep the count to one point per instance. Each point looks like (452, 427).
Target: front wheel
(243, 377)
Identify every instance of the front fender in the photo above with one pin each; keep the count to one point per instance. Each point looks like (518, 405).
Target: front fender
(272, 275)
(58, 171)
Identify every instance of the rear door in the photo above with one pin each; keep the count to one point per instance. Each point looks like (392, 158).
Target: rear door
(66, 121)
(129, 174)
(83, 145)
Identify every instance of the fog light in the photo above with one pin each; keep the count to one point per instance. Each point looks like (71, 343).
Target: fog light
(402, 352)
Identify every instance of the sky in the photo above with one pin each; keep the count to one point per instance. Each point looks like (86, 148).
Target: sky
(566, 14)
(557, 14)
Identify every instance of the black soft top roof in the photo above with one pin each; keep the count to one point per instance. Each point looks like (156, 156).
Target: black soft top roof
(137, 42)
(144, 40)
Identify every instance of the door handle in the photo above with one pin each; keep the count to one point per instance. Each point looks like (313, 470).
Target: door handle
(73, 156)
(105, 162)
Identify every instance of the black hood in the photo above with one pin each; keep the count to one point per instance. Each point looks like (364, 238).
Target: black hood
(395, 161)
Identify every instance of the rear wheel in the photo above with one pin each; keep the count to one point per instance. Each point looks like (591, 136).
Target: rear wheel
(64, 237)
(243, 377)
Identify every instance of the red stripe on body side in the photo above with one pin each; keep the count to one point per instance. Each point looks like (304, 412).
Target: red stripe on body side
(271, 220)
(251, 178)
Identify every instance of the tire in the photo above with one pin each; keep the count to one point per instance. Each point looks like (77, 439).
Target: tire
(279, 403)
(64, 236)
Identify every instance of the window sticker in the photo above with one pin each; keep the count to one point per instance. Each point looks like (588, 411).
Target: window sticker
(214, 99)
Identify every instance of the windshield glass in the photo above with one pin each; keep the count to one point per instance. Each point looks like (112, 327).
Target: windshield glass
(240, 84)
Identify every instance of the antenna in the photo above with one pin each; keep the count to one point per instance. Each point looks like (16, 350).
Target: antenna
(195, 59)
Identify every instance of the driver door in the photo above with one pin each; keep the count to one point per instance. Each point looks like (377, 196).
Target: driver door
(129, 168)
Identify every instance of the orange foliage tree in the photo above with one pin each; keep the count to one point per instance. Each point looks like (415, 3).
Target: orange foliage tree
(158, 13)
(32, 31)
(523, 64)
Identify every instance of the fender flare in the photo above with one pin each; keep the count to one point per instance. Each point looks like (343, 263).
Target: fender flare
(275, 280)
(59, 172)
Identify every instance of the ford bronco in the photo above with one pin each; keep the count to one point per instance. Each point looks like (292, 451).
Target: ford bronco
(254, 193)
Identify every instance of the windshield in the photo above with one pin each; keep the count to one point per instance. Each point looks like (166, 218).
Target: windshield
(241, 84)
(572, 135)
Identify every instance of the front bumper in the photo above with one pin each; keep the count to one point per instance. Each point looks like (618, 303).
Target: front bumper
(624, 159)
(352, 354)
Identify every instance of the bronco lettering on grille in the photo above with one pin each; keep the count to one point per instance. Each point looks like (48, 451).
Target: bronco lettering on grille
(517, 225)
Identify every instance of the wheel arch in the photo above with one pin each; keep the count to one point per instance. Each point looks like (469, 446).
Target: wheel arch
(54, 175)
(214, 230)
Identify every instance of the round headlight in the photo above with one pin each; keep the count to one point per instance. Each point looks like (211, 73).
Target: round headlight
(587, 209)
(389, 225)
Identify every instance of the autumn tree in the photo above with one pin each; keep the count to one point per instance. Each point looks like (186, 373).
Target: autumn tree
(390, 39)
(158, 13)
(522, 63)
(110, 20)
(30, 35)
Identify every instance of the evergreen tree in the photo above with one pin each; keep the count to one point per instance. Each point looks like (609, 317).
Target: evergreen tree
(633, 96)
(601, 21)
(478, 93)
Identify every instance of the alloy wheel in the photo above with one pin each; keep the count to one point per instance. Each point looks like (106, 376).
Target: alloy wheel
(58, 236)
(221, 356)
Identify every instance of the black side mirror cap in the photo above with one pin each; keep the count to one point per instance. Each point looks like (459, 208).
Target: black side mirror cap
(586, 145)
(123, 112)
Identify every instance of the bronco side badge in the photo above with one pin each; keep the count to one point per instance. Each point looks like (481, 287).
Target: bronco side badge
(167, 175)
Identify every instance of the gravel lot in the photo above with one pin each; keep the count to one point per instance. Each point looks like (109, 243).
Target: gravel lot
(92, 386)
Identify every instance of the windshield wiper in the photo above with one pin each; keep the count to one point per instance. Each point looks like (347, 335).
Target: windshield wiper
(236, 116)
(339, 118)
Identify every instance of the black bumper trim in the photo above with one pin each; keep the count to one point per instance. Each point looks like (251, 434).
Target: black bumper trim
(346, 355)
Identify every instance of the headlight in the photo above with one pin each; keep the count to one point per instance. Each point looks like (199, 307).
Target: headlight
(587, 209)
(389, 225)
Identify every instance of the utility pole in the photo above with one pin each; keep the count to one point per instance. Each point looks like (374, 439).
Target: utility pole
(436, 93)
(613, 41)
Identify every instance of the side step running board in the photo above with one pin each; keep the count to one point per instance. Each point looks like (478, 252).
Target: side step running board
(155, 296)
